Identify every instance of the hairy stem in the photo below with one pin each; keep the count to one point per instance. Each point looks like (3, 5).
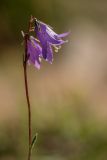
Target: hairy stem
(25, 58)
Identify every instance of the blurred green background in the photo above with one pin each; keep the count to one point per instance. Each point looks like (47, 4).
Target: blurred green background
(69, 97)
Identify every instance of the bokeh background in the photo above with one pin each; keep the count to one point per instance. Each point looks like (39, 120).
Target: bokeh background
(69, 97)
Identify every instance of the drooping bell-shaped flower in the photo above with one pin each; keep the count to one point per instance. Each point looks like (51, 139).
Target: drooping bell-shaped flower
(48, 38)
(34, 52)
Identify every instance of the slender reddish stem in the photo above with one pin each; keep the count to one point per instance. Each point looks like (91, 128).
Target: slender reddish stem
(25, 59)
(27, 96)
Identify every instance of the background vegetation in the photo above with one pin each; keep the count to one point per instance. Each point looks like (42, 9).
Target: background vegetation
(69, 98)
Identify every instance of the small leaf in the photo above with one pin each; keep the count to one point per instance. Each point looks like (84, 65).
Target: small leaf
(34, 141)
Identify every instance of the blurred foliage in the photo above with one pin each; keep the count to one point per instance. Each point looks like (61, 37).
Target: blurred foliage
(65, 136)
(58, 13)
(66, 130)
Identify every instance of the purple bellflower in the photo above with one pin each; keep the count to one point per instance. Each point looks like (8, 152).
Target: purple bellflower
(34, 52)
(48, 39)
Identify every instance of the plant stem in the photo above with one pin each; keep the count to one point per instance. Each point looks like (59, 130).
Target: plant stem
(25, 58)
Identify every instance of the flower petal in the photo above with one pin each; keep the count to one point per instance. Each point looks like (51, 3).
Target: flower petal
(49, 53)
(37, 64)
(63, 34)
(48, 38)
(34, 52)
(44, 32)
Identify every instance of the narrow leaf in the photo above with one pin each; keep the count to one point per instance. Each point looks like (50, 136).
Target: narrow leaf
(34, 141)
